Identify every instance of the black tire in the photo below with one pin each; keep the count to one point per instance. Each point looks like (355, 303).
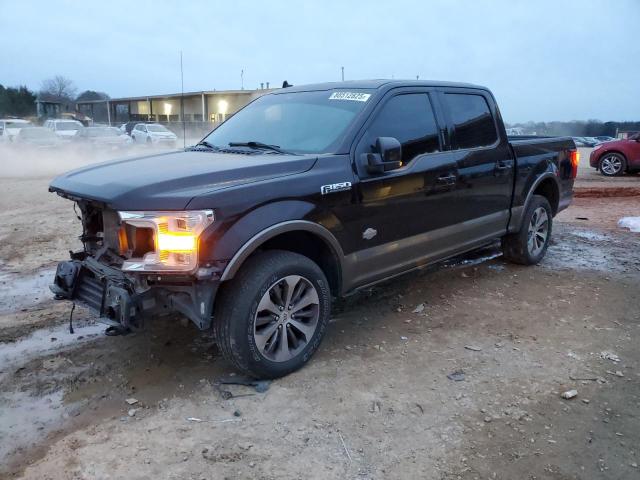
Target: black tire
(236, 312)
(517, 247)
(612, 164)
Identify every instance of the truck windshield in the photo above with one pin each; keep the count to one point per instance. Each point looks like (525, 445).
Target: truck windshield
(298, 122)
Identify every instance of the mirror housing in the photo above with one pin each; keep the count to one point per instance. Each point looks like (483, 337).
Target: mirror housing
(388, 156)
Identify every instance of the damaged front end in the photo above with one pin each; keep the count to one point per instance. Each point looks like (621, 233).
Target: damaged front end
(135, 265)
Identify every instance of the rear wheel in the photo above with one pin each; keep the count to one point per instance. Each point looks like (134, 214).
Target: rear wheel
(271, 317)
(529, 245)
(612, 164)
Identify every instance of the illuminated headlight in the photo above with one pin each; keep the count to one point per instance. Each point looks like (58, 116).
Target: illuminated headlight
(169, 239)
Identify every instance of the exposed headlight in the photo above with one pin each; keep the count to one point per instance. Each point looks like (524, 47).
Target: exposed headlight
(162, 241)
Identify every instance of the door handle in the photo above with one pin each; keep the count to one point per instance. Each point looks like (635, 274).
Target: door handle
(447, 179)
(503, 166)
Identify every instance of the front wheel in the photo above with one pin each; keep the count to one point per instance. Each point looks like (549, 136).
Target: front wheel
(529, 244)
(270, 318)
(612, 164)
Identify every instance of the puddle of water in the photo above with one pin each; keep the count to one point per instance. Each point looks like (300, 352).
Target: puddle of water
(24, 419)
(39, 343)
(590, 235)
(23, 291)
(26, 416)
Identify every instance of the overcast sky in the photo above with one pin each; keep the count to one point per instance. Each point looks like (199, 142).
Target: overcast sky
(544, 60)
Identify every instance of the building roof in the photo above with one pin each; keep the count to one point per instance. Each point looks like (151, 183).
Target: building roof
(189, 94)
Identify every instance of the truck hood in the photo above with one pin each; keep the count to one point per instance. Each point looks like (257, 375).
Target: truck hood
(170, 181)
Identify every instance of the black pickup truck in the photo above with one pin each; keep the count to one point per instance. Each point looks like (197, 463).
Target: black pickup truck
(308, 193)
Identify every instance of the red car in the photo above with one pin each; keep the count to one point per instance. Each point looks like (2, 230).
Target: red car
(617, 157)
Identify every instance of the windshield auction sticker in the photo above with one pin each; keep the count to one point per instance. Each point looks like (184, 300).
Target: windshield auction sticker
(351, 96)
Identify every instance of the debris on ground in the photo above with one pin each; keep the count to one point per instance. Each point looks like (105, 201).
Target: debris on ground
(132, 412)
(260, 386)
(473, 348)
(457, 376)
(632, 223)
(609, 356)
(569, 394)
(131, 401)
(419, 308)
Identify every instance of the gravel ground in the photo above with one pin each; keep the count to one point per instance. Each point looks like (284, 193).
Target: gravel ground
(375, 402)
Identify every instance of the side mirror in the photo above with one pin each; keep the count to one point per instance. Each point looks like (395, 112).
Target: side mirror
(388, 155)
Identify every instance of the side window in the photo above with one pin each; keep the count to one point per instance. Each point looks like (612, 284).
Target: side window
(409, 118)
(472, 120)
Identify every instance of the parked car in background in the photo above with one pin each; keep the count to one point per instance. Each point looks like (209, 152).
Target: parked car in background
(153, 133)
(128, 127)
(617, 157)
(104, 137)
(9, 128)
(584, 142)
(605, 138)
(37, 137)
(64, 128)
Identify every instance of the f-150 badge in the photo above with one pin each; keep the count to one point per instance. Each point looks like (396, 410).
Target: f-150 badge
(335, 187)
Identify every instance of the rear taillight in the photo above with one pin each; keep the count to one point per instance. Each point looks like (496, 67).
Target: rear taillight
(574, 158)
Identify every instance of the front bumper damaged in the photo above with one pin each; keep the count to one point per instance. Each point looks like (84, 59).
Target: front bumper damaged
(126, 300)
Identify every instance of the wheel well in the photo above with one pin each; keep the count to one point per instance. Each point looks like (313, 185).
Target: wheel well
(549, 190)
(313, 247)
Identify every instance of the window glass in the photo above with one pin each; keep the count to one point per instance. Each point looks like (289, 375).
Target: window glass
(301, 122)
(472, 120)
(408, 118)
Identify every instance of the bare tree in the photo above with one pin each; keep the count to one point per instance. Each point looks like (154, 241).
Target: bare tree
(59, 87)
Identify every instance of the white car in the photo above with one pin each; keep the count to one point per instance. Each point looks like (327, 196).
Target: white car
(153, 133)
(64, 128)
(10, 127)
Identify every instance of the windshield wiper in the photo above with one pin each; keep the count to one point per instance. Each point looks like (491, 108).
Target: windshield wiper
(259, 146)
(204, 143)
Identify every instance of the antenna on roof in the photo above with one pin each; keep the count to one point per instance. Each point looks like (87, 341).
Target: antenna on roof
(184, 127)
(342, 68)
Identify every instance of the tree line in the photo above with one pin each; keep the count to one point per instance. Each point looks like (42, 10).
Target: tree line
(21, 102)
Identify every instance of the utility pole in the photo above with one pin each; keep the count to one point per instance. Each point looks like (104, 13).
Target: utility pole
(342, 68)
(242, 79)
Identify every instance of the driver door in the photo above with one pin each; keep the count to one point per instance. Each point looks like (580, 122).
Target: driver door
(405, 217)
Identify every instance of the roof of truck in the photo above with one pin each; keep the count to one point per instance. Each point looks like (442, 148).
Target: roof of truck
(376, 84)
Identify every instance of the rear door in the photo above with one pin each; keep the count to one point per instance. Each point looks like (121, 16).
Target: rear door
(484, 159)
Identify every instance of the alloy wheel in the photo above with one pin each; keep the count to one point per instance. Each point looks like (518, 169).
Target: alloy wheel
(538, 231)
(286, 318)
(611, 165)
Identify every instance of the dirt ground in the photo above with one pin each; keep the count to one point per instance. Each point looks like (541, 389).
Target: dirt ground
(375, 402)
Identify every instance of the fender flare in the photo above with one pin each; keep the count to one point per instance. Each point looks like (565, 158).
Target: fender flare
(289, 226)
(517, 212)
